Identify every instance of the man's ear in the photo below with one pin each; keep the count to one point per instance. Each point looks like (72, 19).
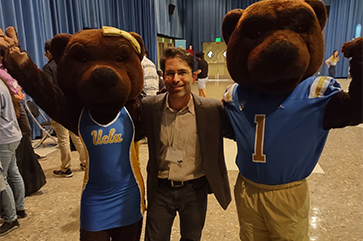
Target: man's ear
(229, 23)
(320, 11)
(58, 45)
(141, 42)
(194, 76)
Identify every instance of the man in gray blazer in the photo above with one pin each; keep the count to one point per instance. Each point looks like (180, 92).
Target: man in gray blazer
(186, 159)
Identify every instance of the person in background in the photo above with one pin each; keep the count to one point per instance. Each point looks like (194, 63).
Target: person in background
(27, 160)
(151, 77)
(12, 198)
(152, 82)
(161, 80)
(190, 50)
(202, 73)
(186, 158)
(11, 82)
(332, 63)
(15, 88)
(50, 69)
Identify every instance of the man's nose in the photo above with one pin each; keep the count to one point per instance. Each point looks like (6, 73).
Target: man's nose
(176, 77)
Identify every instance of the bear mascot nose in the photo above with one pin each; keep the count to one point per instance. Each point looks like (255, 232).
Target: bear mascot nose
(281, 54)
(104, 78)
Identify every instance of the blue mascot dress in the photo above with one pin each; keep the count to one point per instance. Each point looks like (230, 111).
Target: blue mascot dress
(113, 194)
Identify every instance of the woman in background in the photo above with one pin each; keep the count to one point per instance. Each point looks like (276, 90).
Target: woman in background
(27, 160)
(12, 198)
(332, 63)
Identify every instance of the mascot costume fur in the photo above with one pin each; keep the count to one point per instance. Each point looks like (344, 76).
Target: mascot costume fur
(99, 74)
(280, 112)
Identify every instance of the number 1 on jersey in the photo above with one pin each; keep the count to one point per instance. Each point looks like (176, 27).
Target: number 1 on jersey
(258, 155)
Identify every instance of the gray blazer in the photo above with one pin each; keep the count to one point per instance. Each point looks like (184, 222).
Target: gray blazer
(210, 119)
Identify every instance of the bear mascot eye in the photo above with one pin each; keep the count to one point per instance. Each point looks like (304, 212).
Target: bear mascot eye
(80, 55)
(122, 57)
(302, 28)
(82, 59)
(254, 28)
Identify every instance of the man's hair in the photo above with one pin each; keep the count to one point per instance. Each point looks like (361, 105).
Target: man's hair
(47, 46)
(173, 52)
(200, 55)
(147, 52)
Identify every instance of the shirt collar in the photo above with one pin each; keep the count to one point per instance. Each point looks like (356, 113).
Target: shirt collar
(189, 107)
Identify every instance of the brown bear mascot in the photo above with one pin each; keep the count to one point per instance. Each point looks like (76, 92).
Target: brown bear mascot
(280, 112)
(99, 73)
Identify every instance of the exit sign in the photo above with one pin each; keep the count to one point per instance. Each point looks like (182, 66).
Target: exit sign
(218, 39)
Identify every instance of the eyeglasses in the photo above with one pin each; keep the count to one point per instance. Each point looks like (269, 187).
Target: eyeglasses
(181, 73)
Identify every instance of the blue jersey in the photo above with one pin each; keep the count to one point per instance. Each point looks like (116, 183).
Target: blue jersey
(113, 194)
(279, 139)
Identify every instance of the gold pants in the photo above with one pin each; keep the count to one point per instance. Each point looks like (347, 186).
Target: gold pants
(272, 212)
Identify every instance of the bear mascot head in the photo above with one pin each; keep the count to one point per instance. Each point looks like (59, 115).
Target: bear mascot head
(274, 45)
(99, 68)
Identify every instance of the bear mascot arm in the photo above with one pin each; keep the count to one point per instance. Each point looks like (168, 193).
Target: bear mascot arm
(96, 70)
(255, 42)
(346, 108)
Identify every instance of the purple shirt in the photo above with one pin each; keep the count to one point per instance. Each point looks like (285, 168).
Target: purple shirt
(12, 83)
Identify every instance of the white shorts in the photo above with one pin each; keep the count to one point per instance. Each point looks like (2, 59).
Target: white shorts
(202, 82)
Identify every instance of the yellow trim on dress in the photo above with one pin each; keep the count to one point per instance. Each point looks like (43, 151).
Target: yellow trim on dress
(135, 166)
(86, 170)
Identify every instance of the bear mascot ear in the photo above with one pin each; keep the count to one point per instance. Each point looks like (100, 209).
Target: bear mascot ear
(58, 45)
(141, 42)
(320, 11)
(229, 23)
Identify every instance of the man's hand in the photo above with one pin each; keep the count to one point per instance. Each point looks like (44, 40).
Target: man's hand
(20, 96)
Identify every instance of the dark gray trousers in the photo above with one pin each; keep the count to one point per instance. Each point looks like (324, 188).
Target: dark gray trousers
(190, 201)
(332, 71)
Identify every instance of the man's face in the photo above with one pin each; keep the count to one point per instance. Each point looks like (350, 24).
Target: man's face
(178, 77)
